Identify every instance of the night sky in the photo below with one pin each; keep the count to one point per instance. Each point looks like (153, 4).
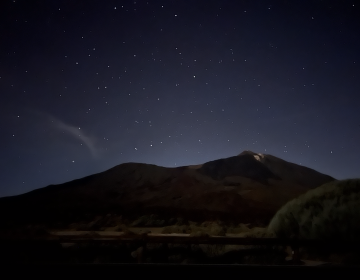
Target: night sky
(87, 85)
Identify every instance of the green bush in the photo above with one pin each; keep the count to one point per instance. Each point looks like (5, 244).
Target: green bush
(331, 211)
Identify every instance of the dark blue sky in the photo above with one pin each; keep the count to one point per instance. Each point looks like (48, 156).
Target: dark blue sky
(87, 85)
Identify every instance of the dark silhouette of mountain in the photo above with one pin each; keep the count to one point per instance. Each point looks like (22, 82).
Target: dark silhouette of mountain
(246, 188)
(244, 165)
(292, 172)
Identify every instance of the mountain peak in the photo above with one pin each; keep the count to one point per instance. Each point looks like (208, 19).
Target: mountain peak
(257, 156)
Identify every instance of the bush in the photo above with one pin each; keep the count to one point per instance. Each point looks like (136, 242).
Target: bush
(331, 211)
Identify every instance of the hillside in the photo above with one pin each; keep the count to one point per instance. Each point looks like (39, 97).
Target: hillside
(248, 188)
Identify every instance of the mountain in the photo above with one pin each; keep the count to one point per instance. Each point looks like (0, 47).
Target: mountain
(247, 188)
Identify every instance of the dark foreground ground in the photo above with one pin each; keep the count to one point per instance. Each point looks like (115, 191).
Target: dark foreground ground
(170, 271)
(49, 253)
(68, 260)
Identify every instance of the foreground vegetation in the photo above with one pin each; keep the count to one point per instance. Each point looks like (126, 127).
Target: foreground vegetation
(331, 211)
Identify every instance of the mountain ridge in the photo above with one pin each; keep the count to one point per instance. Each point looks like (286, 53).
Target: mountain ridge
(245, 187)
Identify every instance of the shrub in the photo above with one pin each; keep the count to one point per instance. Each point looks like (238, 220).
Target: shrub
(331, 211)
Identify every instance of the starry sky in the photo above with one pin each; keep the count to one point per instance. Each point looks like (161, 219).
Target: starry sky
(87, 85)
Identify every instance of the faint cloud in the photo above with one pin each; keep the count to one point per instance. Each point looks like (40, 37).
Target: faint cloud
(74, 131)
(78, 134)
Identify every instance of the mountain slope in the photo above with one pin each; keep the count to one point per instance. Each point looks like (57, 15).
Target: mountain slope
(245, 188)
(292, 172)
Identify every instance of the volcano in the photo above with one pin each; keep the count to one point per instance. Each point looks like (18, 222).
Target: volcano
(247, 188)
